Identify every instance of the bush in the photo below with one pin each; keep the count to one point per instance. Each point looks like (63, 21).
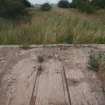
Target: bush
(96, 61)
(86, 7)
(83, 5)
(12, 8)
(26, 3)
(74, 3)
(46, 7)
(98, 3)
(64, 4)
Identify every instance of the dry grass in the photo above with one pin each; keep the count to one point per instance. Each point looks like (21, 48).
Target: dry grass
(55, 26)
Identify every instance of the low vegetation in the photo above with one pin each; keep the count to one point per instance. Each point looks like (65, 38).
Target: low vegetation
(97, 61)
(56, 26)
(97, 64)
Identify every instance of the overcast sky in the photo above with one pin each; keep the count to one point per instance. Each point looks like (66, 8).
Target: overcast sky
(43, 1)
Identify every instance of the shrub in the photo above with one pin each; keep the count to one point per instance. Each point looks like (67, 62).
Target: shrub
(98, 3)
(83, 5)
(26, 3)
(96, 61)
(86, 7)
(46, 7)
(64, 4)
(74, 3)
(12, 8)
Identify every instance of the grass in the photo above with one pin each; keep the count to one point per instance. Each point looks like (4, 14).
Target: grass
(53, 27)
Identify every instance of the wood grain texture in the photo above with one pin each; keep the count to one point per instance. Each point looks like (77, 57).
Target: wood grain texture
(63, 78)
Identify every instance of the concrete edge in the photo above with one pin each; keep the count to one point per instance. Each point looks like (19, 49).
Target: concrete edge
(54, 45)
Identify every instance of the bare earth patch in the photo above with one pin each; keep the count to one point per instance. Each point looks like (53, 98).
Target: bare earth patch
(49, 75)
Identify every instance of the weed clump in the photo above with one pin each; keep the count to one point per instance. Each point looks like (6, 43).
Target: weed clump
(97, 61)
(97, 64)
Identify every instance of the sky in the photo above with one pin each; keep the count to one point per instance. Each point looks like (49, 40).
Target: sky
(43, 1)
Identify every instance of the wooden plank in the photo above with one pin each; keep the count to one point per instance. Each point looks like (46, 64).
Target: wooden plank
(24, 72)
(28, 84)
(80, 91)
(50, 88)
(84, 85)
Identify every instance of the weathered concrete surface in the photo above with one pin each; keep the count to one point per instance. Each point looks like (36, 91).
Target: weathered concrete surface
(61, 78)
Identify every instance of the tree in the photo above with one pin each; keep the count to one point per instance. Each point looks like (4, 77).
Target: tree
(98, 3)
(74, 3)
(12, 8)
(64, 4)
(26, 3)
(79, 3)
(46, 7)
(83, 5)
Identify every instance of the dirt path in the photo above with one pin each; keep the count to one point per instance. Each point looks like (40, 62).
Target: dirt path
(60, 77)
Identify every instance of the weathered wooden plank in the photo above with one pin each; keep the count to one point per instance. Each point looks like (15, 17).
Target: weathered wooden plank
(79, 82)
(25, 84)
(50, 88)
(24, 72)
(80, 90)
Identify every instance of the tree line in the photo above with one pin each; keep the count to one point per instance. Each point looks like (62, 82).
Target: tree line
(13, 8)
(88, 6)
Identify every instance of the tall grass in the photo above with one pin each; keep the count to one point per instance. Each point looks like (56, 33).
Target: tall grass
(52, 27)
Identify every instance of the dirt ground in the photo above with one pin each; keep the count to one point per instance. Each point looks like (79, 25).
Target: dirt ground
(49, 75)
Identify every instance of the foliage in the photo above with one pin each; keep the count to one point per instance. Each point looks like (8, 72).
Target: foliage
(26, 3)
(65, 39)
(96, 61)
(74, 3)
(56, 26)
(12, 8)
(88, 6)
(98, 3)
(63, 4)
(82, 5)
(46, 7)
